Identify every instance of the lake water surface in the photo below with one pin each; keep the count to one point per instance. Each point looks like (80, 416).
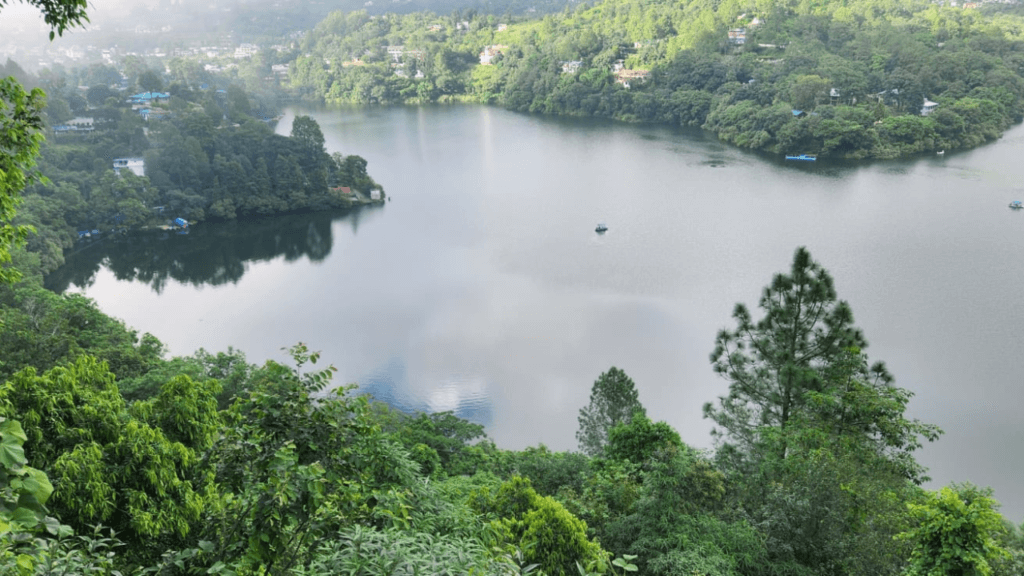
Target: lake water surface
(482, 287)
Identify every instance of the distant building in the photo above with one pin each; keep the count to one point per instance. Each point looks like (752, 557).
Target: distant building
(374, 194)
(490, 52)
(396, 52)
(502, 27)
(625, 77)
(738, 36)
(928, 107)
(72, 129)
(148, 97)
(246, 51)
(136, 165)
(148, 113)
(571, 67)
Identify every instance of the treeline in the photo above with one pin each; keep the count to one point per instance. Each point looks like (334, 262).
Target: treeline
(208, 155)
(859, 73)
(116, 458)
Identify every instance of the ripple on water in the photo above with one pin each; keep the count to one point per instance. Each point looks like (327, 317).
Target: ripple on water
(465, 394)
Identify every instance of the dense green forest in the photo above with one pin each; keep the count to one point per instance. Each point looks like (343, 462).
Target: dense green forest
(207, 155)
(841, 79)
(116, 460)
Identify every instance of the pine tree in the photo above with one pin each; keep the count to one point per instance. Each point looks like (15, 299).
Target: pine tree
(773, 363)
(613, 401)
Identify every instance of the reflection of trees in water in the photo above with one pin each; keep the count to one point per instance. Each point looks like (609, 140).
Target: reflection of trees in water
(211, 254)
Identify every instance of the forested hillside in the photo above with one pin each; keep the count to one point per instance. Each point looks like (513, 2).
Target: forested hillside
(204, 155)
(857, 79)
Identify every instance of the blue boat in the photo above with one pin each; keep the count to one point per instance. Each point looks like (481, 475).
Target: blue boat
(1016, 205)
(807, 157)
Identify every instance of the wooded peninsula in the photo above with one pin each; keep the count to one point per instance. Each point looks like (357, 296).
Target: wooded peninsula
(852, 79)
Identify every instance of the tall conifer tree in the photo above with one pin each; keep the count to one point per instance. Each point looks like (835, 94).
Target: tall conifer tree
(613, 401)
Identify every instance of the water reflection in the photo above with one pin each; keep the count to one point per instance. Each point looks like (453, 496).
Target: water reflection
(211, 254)
(466, 395)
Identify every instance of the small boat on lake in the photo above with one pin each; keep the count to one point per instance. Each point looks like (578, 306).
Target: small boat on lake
(1016, 205)
(941, 152)
(805, 157)
(601, 228)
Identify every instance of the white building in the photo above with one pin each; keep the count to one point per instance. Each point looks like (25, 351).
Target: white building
(571, 67)
(136, 165)
(246, 51)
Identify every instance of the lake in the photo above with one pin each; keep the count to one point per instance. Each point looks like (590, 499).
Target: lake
(481, 286)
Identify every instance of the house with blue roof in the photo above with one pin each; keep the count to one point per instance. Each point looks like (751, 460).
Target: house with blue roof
(148, 97)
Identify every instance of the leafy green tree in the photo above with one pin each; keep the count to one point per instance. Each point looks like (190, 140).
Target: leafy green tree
(541, 527)
(59, 15)
(150, 81)
(613, 400)
(24, 490)
(307, 133)
(639, 439)
(955, 533)
(295, 465)
(441, 435)
(21, 127)
(32, 543)
(41, 329)
(807, 91)
(106, 466)
(672, 526)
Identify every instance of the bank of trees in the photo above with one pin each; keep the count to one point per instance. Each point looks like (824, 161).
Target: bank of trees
(858, 72)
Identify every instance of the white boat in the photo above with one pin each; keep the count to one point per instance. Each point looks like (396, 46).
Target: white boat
(941, 152)
(1016, 205)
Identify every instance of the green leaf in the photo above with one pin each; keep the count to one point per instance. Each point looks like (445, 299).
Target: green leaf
(12, 455)
(12, 428)
(25, 563)
(52, 525)
(37, 484)
(25, 517)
